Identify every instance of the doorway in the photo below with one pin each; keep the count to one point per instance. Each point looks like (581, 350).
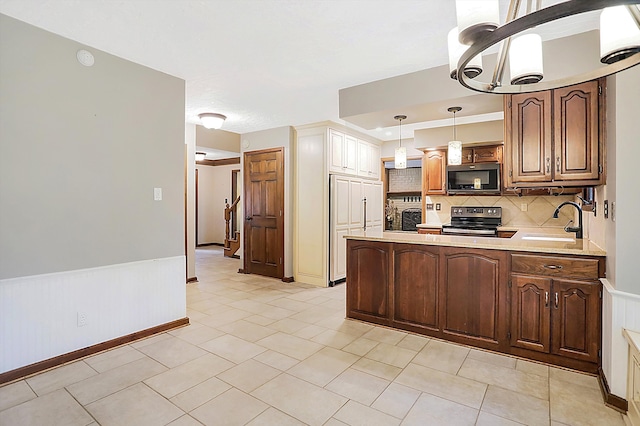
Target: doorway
(264, 212)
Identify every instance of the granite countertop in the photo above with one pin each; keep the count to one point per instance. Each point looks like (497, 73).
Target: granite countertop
(518, 242)
(633, 337)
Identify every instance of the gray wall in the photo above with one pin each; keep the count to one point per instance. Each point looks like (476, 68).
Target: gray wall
(81, 149)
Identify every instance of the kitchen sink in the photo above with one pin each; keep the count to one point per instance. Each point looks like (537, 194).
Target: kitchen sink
(560, 238)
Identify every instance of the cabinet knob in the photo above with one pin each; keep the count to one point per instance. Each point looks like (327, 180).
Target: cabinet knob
(558, 164)
(548, 165)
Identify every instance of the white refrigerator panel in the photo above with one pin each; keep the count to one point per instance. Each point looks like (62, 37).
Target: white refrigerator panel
(355, 202)
(341, 186)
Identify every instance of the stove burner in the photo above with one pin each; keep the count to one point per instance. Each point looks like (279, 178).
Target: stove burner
(478, 221)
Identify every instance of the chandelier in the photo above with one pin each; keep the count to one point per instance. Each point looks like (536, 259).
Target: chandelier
(479, 29)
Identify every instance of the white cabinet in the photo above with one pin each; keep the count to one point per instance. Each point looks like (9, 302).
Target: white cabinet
(368, 160)
(633, 376)
(342, 152)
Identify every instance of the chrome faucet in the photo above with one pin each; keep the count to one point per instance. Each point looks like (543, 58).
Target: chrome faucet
(568, 228)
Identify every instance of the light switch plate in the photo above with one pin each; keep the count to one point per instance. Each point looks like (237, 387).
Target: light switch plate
(157, 194)
(429, 206)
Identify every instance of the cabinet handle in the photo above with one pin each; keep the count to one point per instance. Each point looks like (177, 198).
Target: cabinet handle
(546, 299)
(553, 266)
(548, 165)
(558, 164)
(556, 300)
(475, 158)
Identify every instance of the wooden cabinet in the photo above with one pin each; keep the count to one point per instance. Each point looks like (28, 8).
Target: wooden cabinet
(368, 280)
(434, 172)
(551, 314)
(482, 154)
(432, 231)
(554, 138)
(415, 287)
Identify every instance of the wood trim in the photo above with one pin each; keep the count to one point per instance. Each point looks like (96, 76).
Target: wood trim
(610, 399)
(210, 244)
(287, 279)
(192, 280)
(221, 162)
(22, 372)
(196, 207)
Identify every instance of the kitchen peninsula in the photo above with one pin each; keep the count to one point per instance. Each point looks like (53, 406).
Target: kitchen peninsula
(535, 295)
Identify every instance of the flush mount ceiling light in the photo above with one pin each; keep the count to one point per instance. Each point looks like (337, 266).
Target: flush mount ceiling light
(400, 160)
(479, 29)
(200, 156)
(454, 151)
(211, 120)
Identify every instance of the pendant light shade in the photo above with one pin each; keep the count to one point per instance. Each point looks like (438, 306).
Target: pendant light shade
(211, 120)
(475, 18)
(200, 156)
(400, 160)
(456, 49)
(454, 148)
(525, 59)
(619, 35)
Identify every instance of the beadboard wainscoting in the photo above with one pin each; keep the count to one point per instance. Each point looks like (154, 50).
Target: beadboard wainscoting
(44, 316)
(619, 310)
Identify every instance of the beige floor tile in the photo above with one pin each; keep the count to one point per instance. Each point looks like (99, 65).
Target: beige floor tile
(355, 414)
(413, 342)
(385, 335)
(458, 389)
(392, 355)
(506, 377)
(335, 339)
(54, 408)
(150, 340)
(232, 348)
(360, 346)
(574, 377)
(216, 319)
(312, 315)
(488, 419)
(335, 422)
(442, 356)
(309, 331)
(358, 386)
(291, 305)
(492, 358)
(396, 400)
(114, 358)
(200, 334)
(60, 377)
(288, 325)
(273, 417)
(247, 330)
(276, 360)
(199, 394)
(136, 405)
(516, 406)
(114, 380)
(432, 410)
(259, 320)
(178, 379)
(323, 366)
(376, 368)
(290, 345)
(249, 375)
(14, 394)
(230, 408)
(532, 368)
(580, 405)
(308, 403)
(276, 313)
(345, 325)
(173, 351)
(185, 420)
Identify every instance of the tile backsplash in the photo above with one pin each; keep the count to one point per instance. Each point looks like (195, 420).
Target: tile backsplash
(527, 211)
(404, 180)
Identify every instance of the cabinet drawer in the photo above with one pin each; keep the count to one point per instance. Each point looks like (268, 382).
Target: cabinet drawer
(488, 154)
(565, 267)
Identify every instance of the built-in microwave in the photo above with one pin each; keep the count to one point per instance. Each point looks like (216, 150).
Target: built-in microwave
(479, 178)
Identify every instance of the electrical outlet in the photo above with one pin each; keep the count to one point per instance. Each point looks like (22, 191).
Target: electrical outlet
(606, 209)
(438, 206)
(524, 207)
(429, 206)
(82, 319)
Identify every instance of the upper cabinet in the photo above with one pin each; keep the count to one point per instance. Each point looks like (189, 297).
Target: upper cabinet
(434, 172)
(354, 157)
(482, 154)
(553, 138)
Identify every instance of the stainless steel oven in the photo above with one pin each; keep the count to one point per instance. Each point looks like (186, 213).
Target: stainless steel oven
(474, 221)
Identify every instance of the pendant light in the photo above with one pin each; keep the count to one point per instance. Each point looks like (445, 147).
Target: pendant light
(400, 161)
(525, 59)
(200, 156)
(456, 49)
(454, 151)
(619, 34)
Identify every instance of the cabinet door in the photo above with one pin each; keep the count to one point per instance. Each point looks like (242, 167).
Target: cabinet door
(434, 163)
(336, 151)
(575, 111)
(473, 288)
(368, 280)
(489, 154)
(363, 159)
(530, 138)
(374, 162)
(350, 154)
(467, 155)
(373, 193)
(531, 312)
(575, 319)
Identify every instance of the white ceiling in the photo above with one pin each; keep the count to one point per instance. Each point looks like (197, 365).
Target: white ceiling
(262, 63)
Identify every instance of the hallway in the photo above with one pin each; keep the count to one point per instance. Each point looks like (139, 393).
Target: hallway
(261, 352)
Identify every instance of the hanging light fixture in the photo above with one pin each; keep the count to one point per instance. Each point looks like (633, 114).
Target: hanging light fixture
(400, 161)
(212, 120)
(454, 151)
(456, 49)
(619, 39)
(200, 156)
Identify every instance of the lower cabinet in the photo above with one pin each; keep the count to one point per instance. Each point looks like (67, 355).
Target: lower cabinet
(368, 278)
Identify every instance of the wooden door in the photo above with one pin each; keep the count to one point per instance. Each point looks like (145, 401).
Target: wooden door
(531, 312)
(575, 111)
(576, 319)
(434, 172)
(530, 138)
(368, 280)
(415, 286)
(263, 211)
(467, 155)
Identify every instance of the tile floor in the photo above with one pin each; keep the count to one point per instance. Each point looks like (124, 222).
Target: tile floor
(261, 352)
